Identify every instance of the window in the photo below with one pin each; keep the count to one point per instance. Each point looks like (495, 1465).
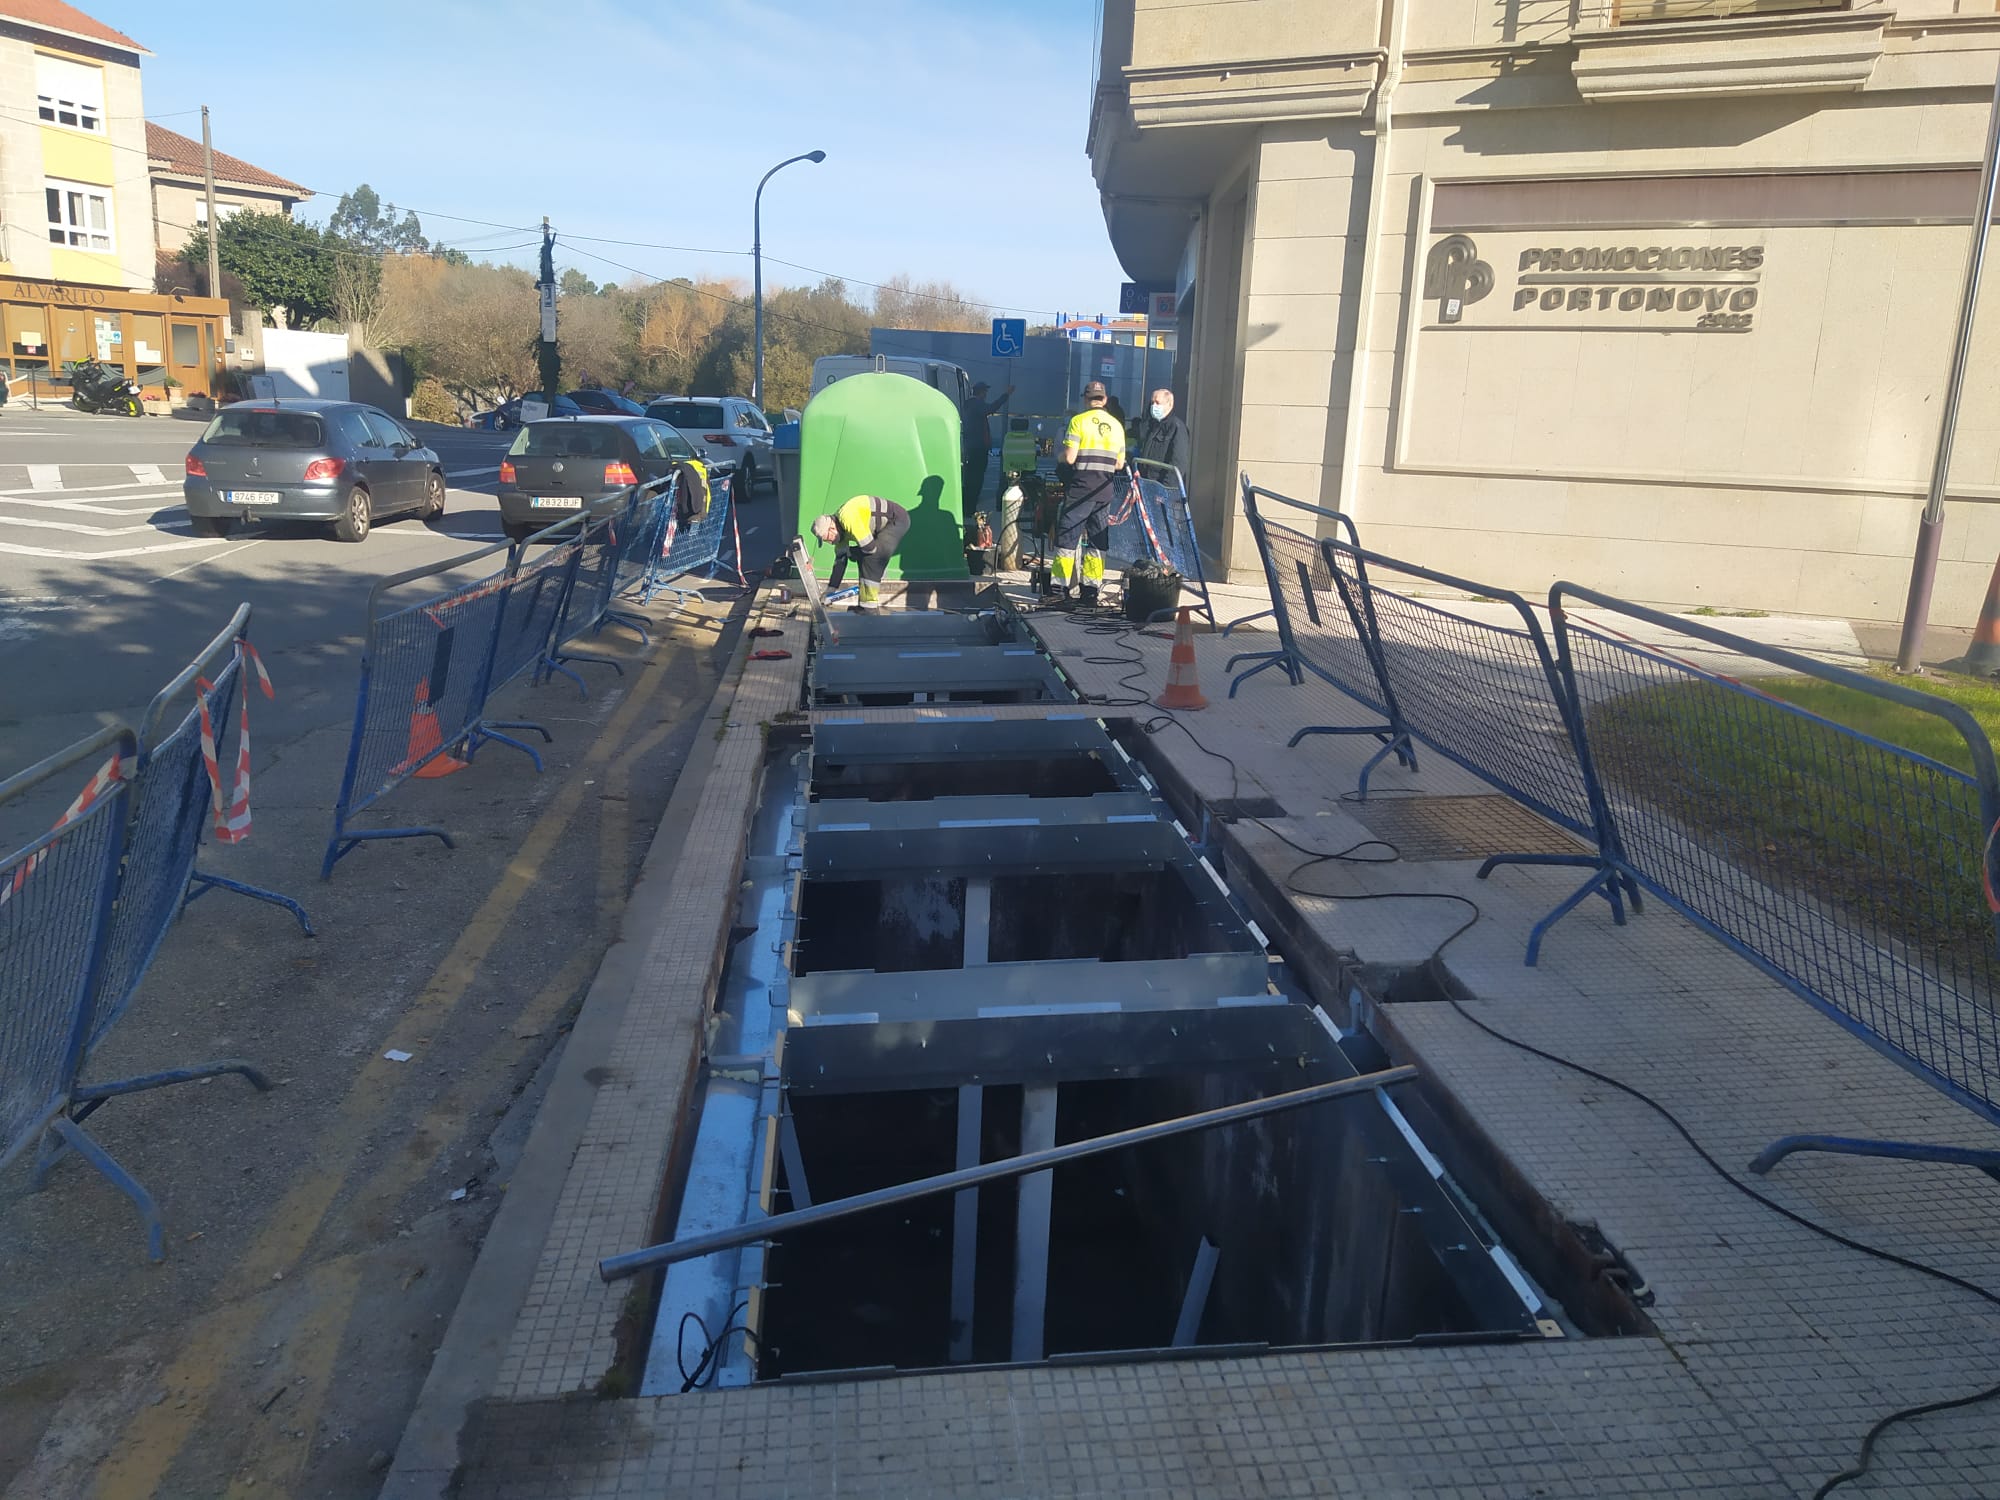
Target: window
(70, 94)
(659, 441)
(79, 215)
(387, 433)
(750, 417)
(567, 440)
(686, 414)
(263, 427)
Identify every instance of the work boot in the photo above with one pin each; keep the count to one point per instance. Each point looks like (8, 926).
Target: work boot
(1086, 596)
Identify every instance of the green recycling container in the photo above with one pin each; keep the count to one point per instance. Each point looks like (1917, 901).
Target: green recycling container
(888, 435)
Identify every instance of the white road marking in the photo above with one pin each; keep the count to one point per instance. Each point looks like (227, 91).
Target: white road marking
(216, 557)
(94, 489)
(101, 506)
(14, 549)
(38, 524)
(147, 473)
(45, 476)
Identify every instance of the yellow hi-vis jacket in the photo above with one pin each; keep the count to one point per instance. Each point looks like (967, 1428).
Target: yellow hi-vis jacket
(860, 518)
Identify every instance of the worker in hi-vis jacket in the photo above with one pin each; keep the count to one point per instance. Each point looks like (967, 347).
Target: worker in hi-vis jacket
(867, 529)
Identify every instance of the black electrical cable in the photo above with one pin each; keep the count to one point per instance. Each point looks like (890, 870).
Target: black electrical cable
(1433, 964)
(707, 1365)
(1905, 1414)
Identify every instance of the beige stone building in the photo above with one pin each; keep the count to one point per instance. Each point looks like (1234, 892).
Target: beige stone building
(1654, 294)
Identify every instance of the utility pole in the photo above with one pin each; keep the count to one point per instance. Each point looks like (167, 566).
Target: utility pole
(214, 224)
(1930, 531)
(547, 357)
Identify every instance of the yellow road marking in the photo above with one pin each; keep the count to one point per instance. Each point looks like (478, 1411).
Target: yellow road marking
(314, 1344)
(141, 1456)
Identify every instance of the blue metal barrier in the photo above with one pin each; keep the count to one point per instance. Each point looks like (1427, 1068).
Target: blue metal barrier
(1488, 696)
(428, 669)
(1164, 493)
(587, 602)
(688, 548)
(56, 896)
(221, 665)
(171, 801)
(1320, 630)
(1856, 873)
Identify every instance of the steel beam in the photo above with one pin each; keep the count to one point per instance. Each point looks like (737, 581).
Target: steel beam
(1000, 739)
(1031, 1226)
(1199, 980)
(853, 815)
(618, 1267)
(965, 1226)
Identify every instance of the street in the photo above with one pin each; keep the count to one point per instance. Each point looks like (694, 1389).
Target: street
(314, 1242)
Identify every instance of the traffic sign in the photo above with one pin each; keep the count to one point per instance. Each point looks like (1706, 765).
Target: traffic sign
(1010, 337)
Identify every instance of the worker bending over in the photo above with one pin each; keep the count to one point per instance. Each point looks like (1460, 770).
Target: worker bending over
(867, 529)
(1094, 449)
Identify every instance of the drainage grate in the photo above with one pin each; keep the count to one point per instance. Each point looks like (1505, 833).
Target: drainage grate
(1436, 828)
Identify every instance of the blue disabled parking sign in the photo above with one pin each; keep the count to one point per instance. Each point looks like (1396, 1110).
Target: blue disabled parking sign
(1010, 337)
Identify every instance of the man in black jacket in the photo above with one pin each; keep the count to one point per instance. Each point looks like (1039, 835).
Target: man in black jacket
(1166, 437)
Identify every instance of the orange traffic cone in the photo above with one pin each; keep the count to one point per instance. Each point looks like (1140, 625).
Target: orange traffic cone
(425, 737)
(1983, 655)
(1183, 690)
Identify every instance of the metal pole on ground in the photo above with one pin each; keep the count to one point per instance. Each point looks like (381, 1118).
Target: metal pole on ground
(1930, 532)
(757, 266)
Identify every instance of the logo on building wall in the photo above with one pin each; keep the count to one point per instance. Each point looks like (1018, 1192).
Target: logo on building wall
(1600, 288)
(1455, 275)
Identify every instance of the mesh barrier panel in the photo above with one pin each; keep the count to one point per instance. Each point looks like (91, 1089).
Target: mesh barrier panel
(423, 683)
(171, 805)
(528, 610)
(1477, 683)
(1848, 867)
(698, 545)
(594, 582)
(58, 888)
(1316, 625)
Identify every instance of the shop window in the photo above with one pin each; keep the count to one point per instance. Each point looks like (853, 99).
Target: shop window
(79, 215)
(69, 94)
(187, 344)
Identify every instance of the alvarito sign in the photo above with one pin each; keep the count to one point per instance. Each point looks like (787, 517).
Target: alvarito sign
(1605, 288)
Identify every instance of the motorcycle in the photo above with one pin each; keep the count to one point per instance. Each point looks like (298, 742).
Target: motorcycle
(96, 387)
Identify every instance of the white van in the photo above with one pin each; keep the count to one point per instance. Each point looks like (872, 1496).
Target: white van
(940, 374)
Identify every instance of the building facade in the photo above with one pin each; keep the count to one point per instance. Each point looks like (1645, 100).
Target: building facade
(76, 215)
(179, 188)
(1654, 294)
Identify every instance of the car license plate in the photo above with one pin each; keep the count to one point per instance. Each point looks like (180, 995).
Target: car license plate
(252, 497)
(554, 502)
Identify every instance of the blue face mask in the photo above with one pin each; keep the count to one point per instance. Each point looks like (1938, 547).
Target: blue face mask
(1159, 412)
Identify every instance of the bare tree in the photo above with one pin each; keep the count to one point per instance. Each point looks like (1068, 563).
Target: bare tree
(904, 302)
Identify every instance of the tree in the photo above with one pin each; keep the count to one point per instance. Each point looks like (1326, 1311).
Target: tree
(573, 283)
(361, 219)
(356, 289)
(285, 266)
(906, 303)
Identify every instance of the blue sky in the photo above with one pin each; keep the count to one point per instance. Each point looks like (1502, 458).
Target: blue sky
(954, 133)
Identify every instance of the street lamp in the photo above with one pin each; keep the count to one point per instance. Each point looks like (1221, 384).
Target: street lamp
(757, 263)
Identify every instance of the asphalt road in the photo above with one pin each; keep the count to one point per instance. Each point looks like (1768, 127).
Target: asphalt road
(317, 1235)
(105, 592)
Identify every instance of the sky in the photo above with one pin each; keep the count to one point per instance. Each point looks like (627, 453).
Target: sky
(954, 133)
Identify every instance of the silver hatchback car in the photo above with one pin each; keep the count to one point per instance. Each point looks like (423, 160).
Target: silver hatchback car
(335, 461)
(733, 436)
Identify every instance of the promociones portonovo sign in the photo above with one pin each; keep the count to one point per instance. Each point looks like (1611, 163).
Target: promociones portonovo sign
(1657, 288)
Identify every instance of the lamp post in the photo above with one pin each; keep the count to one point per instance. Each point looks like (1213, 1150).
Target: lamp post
(757, 263)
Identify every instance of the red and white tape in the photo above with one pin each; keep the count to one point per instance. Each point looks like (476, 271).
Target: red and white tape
(232, 824)
(108, 776)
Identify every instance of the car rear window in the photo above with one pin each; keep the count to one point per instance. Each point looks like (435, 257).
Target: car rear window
(566, 440)
(264, 428)
(688, 413)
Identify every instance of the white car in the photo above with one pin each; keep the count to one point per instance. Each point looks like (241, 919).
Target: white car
(731, 434)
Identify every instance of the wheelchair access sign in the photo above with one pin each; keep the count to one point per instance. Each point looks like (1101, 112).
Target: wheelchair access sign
(1010, 338)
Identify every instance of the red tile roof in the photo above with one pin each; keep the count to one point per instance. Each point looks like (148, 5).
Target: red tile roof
(182, 156)
(67, 19)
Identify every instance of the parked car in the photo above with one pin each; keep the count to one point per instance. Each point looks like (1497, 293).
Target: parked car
(601, 403)
(734, 435)
(507, 416)
(335, 461)
(564, 465)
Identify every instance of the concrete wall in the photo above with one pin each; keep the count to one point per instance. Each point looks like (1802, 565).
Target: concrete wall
(177, 208)
(1775, 463)
(306, 364)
